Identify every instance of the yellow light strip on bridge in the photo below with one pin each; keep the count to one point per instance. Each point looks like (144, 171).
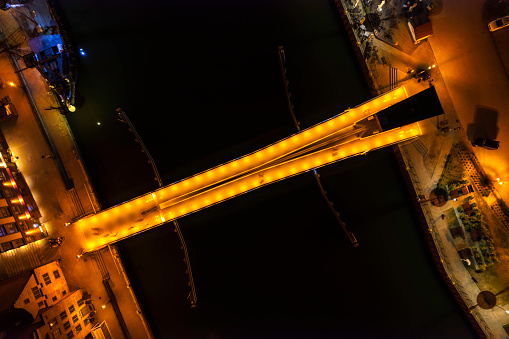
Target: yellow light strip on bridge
(100, 230)
(251, 161)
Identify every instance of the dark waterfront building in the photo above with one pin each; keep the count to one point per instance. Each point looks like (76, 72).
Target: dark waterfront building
(273, 263)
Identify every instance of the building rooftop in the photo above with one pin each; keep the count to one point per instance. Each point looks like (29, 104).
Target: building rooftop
(11, 288)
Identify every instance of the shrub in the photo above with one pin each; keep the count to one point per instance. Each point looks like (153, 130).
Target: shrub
(486, 232)
(459, 209)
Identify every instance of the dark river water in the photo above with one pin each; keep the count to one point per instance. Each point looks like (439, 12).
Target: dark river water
(200, 80)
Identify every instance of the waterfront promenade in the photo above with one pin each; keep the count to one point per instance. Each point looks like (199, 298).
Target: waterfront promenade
(387, 64)
(45, 152)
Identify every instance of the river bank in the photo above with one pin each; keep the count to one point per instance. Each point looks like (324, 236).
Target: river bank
(464, 291)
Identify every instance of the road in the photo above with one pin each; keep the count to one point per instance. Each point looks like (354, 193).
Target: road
(476, 79)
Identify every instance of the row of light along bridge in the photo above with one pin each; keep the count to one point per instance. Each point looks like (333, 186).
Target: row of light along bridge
(355, 131)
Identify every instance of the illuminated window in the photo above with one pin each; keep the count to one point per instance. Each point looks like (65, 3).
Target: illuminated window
(2, 231)
(10, 228)
(70, 335)
(36, 292)
(53, 323)
(18, 242)
(67, 325)
(8, 193)
(4, 212)
(75, 318)
(7, 246)
(17, 209)
(57, 333)
(78, 328)
(71, 309)
(81, 302)
(23, 225)
(47, 279)
(63, 315)
(56, 274)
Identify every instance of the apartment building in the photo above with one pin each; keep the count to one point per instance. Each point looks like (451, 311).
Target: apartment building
(38, 304)
(19, 214)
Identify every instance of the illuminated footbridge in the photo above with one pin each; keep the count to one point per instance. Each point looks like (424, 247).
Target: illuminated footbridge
(353, 132)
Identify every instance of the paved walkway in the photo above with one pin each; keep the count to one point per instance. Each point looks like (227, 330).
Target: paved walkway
(389, 63)
(495, 318)
(29, 141)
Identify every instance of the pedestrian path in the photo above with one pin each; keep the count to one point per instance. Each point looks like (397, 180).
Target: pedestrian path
(390, 60)
(491, 320)
(445, 150)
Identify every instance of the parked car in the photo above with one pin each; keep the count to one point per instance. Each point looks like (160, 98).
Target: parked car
(499, 23)
(485, 143)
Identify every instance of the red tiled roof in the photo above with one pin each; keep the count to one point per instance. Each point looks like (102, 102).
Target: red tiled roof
(466, 207)
(423, 31)
(457, 232)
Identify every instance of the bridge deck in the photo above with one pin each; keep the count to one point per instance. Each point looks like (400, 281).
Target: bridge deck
(201, 191)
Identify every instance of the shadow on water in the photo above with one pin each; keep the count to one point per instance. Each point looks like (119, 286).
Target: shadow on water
(485, 124)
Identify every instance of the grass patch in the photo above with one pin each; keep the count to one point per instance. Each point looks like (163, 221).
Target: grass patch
(453, 171)
(451, 218)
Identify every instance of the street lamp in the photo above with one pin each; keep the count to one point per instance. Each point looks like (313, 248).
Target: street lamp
(104, 306)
